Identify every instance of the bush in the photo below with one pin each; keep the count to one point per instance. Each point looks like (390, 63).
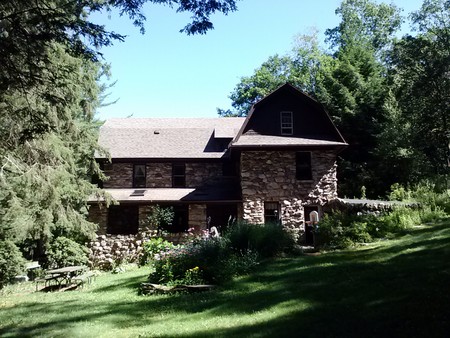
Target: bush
(210, 261)
(65, 252)
(427, 194)
(267, 240)
(153, 247)
(217, 260)
(342, 230)
(12, 262)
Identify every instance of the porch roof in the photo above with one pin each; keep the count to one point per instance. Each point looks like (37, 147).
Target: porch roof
(171, 195)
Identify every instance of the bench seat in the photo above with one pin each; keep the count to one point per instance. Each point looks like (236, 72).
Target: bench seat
(46, 280)
(85, 277)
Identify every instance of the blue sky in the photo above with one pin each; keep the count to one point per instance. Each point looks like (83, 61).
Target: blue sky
(165, 73)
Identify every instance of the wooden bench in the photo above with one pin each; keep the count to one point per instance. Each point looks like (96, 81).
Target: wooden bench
(85, 277)
(46, 280)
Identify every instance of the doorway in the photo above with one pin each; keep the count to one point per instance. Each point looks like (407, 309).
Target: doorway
(309, 227)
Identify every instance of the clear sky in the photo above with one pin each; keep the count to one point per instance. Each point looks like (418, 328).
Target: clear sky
(165, 73)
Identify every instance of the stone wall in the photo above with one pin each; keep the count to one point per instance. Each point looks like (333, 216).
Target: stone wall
(159, 175)
(270, 176)
(198, 174)
(120, 175)
(107, 250)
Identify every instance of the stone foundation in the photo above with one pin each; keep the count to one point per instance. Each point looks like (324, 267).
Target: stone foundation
(105, 251)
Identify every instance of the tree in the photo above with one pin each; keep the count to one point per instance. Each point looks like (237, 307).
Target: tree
(45, 180)
(365, 23)
(28, 29)
(301, 68)
(420, 69)
(50, 52)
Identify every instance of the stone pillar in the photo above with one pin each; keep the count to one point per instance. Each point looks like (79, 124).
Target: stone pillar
(197, 216)
(293, 218)
(253, 211)
(98, 214)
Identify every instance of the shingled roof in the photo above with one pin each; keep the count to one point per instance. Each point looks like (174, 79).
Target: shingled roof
(163, 138)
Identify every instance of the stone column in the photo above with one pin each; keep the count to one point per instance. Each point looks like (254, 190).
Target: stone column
(197, 216)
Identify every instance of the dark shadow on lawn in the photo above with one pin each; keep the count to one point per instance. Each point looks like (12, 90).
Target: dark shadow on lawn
(342, 294)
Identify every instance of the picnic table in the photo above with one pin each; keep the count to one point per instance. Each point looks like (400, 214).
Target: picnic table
(66, 276)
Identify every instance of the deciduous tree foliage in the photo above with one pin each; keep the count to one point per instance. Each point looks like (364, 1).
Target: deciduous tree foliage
(420, 76)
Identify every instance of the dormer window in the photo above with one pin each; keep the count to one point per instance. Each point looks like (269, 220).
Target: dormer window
(287, 126)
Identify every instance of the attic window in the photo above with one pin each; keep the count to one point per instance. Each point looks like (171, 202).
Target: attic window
(287, 126)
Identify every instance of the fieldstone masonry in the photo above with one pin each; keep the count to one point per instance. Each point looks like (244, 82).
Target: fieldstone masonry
(270, 176)
(120, 175)
(107, 249)
(159, 174)
(266, 176)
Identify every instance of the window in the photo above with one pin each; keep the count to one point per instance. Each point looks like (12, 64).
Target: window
(180, 219)
(178, 175)
(139, 176)
(271, 212)
(123, 220)
(287, 126)
(303, 166)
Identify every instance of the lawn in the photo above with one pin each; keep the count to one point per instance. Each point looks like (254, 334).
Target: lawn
(395, 288)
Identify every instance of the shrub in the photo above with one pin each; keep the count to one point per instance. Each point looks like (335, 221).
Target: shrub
(267, 240)
(427, 214)
(153, 247)
(65, 252)
(342, 230)
(400, 218)
(211, 261)
(159, 218)
(11, 262)
(217, 260)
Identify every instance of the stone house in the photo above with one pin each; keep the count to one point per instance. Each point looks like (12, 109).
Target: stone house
(275, 165)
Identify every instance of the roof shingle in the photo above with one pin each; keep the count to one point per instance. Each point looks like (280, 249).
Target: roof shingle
(166, 137)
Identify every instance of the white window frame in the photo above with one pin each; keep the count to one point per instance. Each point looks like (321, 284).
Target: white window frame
(287, 128)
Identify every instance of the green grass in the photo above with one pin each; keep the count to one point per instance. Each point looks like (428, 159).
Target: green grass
(396, 288)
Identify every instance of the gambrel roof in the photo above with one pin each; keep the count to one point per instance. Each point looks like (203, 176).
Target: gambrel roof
(311, 124)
